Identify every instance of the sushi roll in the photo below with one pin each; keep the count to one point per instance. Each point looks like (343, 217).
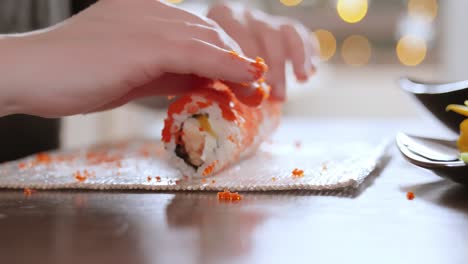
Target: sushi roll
(210, 129)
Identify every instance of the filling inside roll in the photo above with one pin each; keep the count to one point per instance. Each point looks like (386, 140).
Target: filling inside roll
(196, 140)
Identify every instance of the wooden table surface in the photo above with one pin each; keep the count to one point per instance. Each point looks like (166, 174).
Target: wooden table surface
(376, 225)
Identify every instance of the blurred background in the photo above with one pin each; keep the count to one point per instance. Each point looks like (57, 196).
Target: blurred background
(366, 45)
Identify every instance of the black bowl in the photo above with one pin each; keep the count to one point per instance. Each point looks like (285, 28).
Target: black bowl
(436, 96)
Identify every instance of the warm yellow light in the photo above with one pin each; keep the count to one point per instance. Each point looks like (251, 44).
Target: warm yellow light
(327, 43)
(356, 50)
(411, 50)
(174, 1)
(352, 11)
(423, 8)
(290, 2)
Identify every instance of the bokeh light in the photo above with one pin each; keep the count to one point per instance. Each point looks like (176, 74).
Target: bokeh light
(291, 2)
(411, 50)
(174, 1)
(352, 11)
(327, 43)
(356, 50)
(427, 9)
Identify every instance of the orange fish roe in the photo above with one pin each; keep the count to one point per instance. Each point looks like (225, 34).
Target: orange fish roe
(148, 178)
(260, 68)
(43, 158)
(208, 170)
(192, 109)
(226, 195)
(203, 180)
(259, 65)
(410, 195)
(262, 93)
(236, 55)
(28, 192)
(22, 165)
(158, 179)
(81, 177)
(231, 109)
(231, 138)
(297, 173)
(236, 197)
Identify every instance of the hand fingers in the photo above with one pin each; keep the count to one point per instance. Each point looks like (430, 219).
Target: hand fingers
(315, 49)
(276, 57)
(298, 51)
(184, 30)
(170, 12)
(231, 18)
(312, 47)
(206, 60)
(251, 94)
(173, 13)
(275, 54)
(235, 21)
(177, 14)
(278, 83)
(167, 84)
(175, 84)
(239, 24)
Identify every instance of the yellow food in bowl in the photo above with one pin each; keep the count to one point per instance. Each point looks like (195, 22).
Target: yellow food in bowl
(462, 142)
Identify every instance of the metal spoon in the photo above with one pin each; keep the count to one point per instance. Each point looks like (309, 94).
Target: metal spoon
(440, 156)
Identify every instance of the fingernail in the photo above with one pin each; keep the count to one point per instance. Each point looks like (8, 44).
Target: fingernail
(302, 79)
(302, 76)
(258, 68)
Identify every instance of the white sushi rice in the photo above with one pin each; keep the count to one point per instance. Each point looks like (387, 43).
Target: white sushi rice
(215, 148)
(224, 149)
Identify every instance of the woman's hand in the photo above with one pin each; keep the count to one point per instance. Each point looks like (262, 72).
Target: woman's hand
(275, 39)
(114, 52)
